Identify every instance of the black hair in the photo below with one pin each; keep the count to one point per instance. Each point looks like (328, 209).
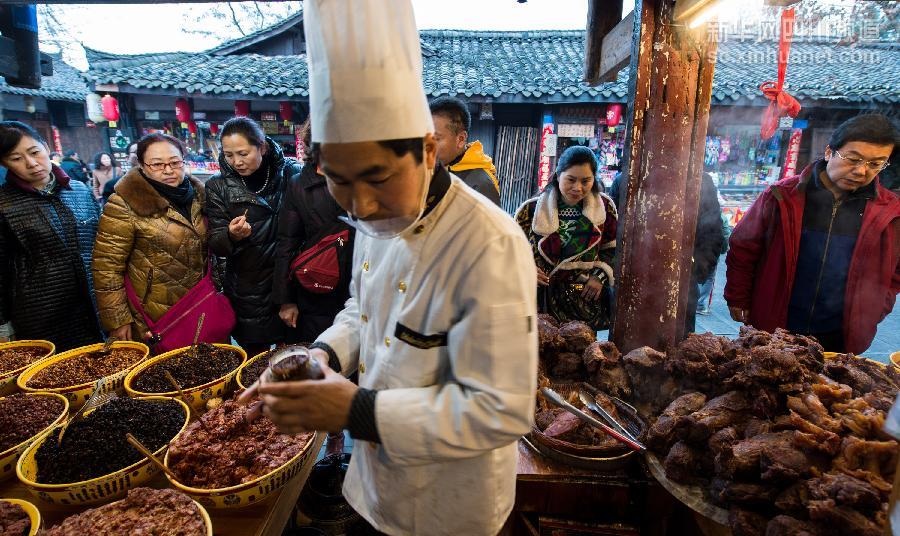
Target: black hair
(575, 156)
(12, 132)
(455, 110)
(247, 128)
(98, 156)
(400, 148)
(157, 137)
(70, 153)
(870, 128)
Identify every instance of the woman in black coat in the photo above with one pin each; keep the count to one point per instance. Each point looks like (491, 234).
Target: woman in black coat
(47, 228)
(308, 217)
(242, 203)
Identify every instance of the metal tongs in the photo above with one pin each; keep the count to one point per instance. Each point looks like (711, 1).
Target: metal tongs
(554, 397)
(591, 403)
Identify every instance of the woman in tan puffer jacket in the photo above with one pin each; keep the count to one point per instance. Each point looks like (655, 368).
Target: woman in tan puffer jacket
(152, 229)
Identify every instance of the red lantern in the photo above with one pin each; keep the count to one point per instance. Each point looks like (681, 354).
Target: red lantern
(110, 109)
(213, 128)
(285, 111)
(182, 110)
(613, 114)
(242, 108)
(192, 128)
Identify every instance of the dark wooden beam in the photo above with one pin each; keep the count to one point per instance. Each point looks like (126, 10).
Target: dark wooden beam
(669, 88)
(602, 17)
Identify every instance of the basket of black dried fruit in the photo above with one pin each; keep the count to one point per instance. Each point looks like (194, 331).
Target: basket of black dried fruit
(207, 373)
(19, 518)
(74, 373)
(160, 512)
(16, 356)
(95, 463)
(251, 370)
(23, 417)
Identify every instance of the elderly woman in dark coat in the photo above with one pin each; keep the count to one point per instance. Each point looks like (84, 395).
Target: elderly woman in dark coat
(47, 228)
(243, 203)
(572, 230)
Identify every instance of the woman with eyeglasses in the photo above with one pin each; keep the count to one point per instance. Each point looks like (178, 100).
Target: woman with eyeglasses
(47, 227)
(243, 202)
(153, 230)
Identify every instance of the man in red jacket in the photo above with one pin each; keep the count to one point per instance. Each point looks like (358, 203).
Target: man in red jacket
(819, 253)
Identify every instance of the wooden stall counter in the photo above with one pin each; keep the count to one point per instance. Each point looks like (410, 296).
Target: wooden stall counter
(267, 518)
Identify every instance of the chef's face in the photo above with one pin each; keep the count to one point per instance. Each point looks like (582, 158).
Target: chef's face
(371, 182)
(29, 160)
(575, 183)
(855, 164)
(450, 141)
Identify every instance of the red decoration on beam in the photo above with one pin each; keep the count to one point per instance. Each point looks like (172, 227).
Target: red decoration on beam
(242, 108)
(182, 110)
(782, 104)
(110, 109)
(613, 114)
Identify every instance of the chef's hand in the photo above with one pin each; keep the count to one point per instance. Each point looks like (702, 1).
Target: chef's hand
(592, 289)
(739, 315)
(289, 313)
(543, 280)
(238, 228)
(122, 333)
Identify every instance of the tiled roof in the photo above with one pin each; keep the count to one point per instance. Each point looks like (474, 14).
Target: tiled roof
(66, 84)
(529, 66)
(235, 45)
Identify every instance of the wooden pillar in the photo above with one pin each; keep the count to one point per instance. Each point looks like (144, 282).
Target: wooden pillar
(669, 96)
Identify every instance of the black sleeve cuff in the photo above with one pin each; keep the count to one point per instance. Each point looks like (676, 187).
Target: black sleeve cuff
(333, 362)
(361, 421)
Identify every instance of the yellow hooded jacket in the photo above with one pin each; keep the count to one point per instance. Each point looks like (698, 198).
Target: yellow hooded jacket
(474, 158)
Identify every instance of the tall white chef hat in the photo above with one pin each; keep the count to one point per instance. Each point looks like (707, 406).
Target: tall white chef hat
(365, 71)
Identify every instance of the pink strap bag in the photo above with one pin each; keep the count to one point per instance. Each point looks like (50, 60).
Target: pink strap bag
(175, 329)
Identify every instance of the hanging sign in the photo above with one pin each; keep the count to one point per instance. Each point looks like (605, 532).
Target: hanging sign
(544, 171)
(576, 131)
(151, 116)
(267, 116)
(793, 152)
(57, 142)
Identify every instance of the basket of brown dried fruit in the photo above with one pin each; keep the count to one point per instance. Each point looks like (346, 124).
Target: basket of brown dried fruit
(16, 356)
(23, 417)
(228, 460)
(94, 462)
(19, 518)
(74, 373)
(202, 375)
(161, 512)
(253, 368)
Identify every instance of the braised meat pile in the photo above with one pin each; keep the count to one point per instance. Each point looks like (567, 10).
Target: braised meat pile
(558, 423)
(790, 442)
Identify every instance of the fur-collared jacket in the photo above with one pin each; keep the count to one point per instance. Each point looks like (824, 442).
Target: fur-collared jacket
(163, 253)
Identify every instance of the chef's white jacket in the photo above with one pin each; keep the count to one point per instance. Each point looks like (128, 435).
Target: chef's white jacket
(442, 322)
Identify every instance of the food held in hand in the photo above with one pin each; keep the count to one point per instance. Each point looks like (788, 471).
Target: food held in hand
(97, 446)
(22, 416)
(189, 369)
(160, 512)
(85, 368)
(224, 448)
(293, 363)
(14, 520)
(21, 356)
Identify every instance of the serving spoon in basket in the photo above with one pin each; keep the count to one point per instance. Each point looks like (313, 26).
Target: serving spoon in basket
(97, 399)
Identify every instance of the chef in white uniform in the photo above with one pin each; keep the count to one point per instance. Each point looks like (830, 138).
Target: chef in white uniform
(441, 322)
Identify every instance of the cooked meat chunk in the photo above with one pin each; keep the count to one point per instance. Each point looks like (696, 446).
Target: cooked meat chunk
(661, 435)
(754, 427)
(862, 375)
(606, 371)
(549, 340)
(784, 464)
(793, 499)
(859, 418)
(845, 490)
(726, 410)
(568, 366)
(549, 319)
(685, 463)
(650, 384)
(723, 439)
(742, 493)
(697, 357)
(830, 391)
(828, 442)
(564, 423)
(811, 408)
(578, 336)
(842, 519)
(743, 459)
(789, 526)
(746, 523)
(872, 461)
